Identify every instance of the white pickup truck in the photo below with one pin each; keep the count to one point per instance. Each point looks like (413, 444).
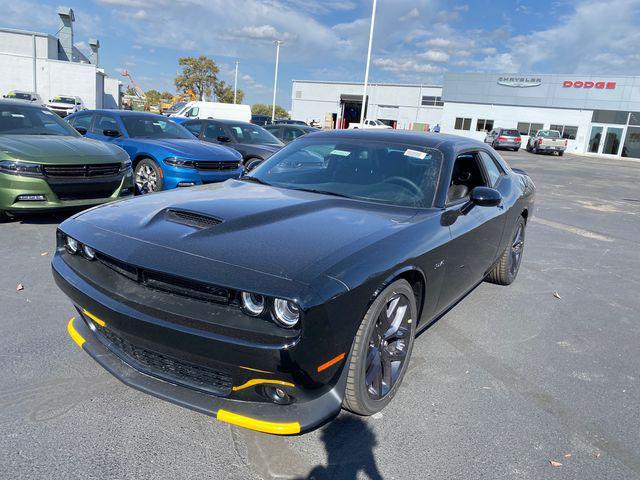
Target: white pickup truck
(548, 141)
(375, 124)
(65, 105)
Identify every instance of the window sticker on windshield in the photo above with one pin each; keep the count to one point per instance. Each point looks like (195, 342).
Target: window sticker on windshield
(47, 112)
(415, 154)
(17, 115)
(341, 153)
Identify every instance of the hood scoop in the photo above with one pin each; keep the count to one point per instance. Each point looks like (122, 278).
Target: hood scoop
(191, 219)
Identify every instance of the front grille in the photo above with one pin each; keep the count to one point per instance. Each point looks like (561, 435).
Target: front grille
(168, 368)
(100, 170)
(191, 219)
(168, 283)
(84, 191)
(200, 165)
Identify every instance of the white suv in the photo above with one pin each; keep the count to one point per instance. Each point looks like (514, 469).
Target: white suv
(65, 105)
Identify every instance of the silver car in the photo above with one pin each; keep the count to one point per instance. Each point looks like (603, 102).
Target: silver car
(504, 138)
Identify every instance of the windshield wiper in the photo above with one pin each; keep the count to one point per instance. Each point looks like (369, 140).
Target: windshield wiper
(322, 192)
(248, 178)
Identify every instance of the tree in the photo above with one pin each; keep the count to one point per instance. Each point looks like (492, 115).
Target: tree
(130, 91)
(224, 93)
(263, 109)
(198, 74)
(153, 96)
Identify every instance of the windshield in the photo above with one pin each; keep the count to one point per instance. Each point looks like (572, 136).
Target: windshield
(394, 174)
(549, 133)
(252, 134)
(70, 100)
(19, 95)
(152, 126)
(177, 106)
(19, 120)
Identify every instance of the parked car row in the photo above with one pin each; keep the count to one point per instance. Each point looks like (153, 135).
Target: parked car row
(63, 105)
(543, 141)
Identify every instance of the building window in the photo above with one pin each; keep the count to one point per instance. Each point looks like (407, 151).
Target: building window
(430, 101)
(298, 93)
(462, 124)
(526, 128)
(610, 116)
(634, 118)
(484, 125)
(566, 131)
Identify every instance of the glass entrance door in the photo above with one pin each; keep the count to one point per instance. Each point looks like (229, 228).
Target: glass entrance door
(612, 141)
(595, 140)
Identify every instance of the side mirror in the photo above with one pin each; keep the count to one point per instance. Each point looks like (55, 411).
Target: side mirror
(224, 139)
(111, 133)
(252, 165)
(81, 130)
(195, 134)
(485, 197)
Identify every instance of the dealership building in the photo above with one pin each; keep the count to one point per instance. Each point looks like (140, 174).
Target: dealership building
(52, 65)
(595, 114)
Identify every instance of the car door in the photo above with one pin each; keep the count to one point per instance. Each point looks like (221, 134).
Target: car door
(476, 236)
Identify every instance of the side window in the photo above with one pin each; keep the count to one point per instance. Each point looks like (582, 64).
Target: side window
(493, 171)
(214, 130)
(104, 122)
(192, 112)
(194, 128)
(291, 134)
(83, 121)
(466, 176)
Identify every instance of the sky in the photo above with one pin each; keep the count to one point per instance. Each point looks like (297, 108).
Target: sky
(415, 41)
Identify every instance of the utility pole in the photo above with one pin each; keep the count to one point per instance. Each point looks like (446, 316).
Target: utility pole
(275, 81)
(366, 72)
(235, 85)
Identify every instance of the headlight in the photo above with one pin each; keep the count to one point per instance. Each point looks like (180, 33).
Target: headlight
(179, 162)
(72, 245)
(253, 304)
(88, 252)
(126, 165)
(286, 313)
(15, 167)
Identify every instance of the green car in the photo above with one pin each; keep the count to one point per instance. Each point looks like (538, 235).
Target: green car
(46, 164)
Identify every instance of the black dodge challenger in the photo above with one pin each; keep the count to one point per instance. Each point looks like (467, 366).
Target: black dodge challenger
(272, 301)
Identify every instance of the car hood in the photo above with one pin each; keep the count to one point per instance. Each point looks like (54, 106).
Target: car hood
(191, 149)
(283, 233)
(51, 149)
(66, 106)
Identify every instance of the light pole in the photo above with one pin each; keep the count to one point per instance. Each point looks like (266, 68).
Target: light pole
(275, 81)
(366, 72)
(235, 85)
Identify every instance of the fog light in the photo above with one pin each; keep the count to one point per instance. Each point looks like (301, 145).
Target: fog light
(31, 198)
(72, 245)
(186, 184)
(88, 252)
(286, 312)
(252, 303)
(278, 395)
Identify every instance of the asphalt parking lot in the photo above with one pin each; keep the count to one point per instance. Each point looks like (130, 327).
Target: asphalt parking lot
(508, 381)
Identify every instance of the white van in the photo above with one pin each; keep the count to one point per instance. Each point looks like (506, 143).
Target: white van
(218, 111)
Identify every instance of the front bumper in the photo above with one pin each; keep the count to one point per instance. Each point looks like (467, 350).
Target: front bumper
(250, 365)
(12, 186)
(178, 177)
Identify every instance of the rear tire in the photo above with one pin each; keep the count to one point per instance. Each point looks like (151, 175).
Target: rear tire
(381, 350)
(147, 177)
(506, 270)
(560, 154)
(528, 147)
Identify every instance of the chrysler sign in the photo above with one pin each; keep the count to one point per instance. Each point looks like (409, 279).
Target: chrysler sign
(520, 82)
(588, 84)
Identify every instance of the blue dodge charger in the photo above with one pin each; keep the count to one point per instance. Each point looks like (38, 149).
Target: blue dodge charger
(164, 154)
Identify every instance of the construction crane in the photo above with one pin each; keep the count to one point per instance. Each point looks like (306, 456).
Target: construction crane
(136, 87)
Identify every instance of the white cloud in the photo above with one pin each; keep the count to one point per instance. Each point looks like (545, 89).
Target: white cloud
(437, 56)
(406, 66)
(413, 13)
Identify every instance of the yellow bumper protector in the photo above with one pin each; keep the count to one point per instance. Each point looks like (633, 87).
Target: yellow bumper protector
(93, 317)
(259, 381)
(74, 334)
(258, 425)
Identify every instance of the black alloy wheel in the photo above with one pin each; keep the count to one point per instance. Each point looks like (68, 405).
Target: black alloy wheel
(381, 350)
(506, 270)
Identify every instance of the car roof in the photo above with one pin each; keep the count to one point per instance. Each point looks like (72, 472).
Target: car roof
(430, 140)
(22, 103)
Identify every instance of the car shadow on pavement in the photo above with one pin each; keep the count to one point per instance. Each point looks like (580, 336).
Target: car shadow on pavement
(43, 218)
(349, 442)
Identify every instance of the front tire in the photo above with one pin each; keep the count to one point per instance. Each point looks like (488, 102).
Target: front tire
(506, 271)
(147, 177)
(560, 154)
(381, 350)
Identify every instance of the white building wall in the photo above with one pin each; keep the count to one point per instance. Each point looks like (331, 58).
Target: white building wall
(401, 103)
(111, 93)
(66, 78)
(509, 116)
